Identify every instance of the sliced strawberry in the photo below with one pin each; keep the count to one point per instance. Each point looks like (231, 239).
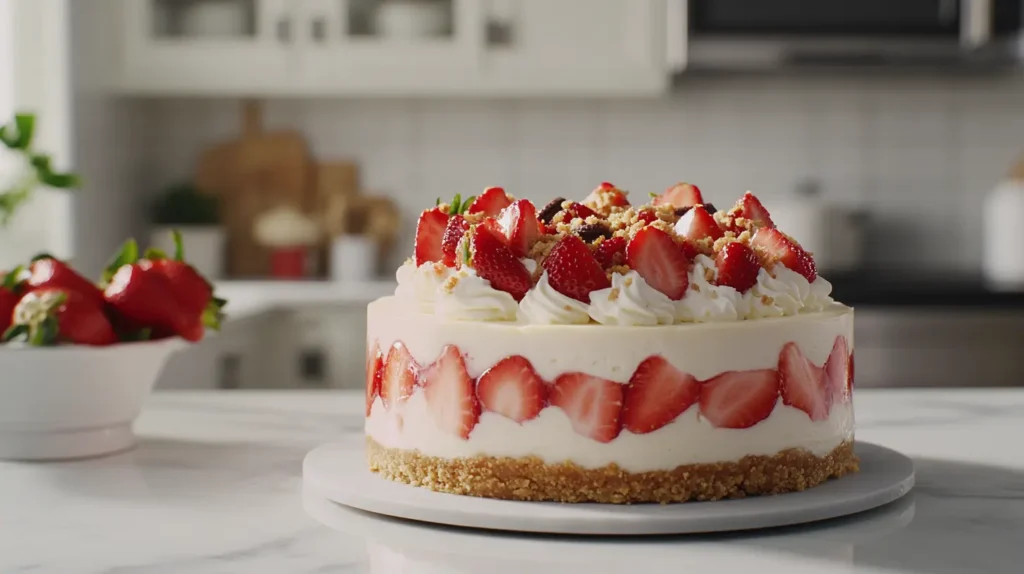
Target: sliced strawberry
(737, 266)
(573, 270)
(802, 383)
(660, 261)
(449, 393)
(607, 194)
(647, 216)
(374, 374)
(697, 224)
(657, 393)
(749, 207)
(399, 376)
(776, 246)
(739, 399)
(457, 226)
(521, 226)
(850, 382)
(680, 195)
(838, 369)
(429, 234)
(579, 210)
(512, 389)
(490, 202)
(495, 262)
(592, 404)
(611, 252)
(689, 250)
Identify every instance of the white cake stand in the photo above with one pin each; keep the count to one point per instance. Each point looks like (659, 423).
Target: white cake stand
(338, 473)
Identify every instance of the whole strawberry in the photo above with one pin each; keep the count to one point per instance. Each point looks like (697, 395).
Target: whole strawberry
(192, 290)
(494, 261)
(8, 297)
(50, 316)
(573, 270)
(48, 272)
(147, 300)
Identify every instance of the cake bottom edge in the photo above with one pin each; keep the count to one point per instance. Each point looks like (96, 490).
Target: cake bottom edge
(531, 479)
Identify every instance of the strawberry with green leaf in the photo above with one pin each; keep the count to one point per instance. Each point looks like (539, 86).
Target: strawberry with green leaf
(51, 316)
(47, 272)
(192, 289)
(9, 296)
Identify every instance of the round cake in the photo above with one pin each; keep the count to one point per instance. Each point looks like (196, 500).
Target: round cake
(597, 351)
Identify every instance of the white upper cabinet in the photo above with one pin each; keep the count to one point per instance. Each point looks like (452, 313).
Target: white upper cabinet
(208, 46)
(394, 47)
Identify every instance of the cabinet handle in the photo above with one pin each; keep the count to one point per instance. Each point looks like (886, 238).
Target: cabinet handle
(318, 29)
(284, 30)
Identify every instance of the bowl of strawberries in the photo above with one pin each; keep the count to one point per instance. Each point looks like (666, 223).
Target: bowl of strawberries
(79, 357)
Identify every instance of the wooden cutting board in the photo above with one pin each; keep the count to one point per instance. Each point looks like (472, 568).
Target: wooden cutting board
(253, 173)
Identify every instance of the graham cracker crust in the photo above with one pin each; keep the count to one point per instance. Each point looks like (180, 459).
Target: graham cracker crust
(530, 479)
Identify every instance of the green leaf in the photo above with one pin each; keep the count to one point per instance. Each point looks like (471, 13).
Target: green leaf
(453, 208)
(438, 202)
(212, 316)
(12, 279)
(25, 124)
(41, 256)
(467, 203)
(221, 303)
(128, 254)
(46, 333)
(15, 332)
(652, 194)
(179, 247)
(60, 180)
(154, 254)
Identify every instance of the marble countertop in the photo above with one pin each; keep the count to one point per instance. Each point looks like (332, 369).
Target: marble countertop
(215, 487)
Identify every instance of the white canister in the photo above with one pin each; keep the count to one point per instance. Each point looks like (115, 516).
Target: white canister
(1003, 246)
(353, 258)
(205, 247)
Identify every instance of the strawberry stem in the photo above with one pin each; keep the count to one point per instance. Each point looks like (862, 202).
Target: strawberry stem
(154, 254)
(179, 246)
(12, 278)
(128, 254)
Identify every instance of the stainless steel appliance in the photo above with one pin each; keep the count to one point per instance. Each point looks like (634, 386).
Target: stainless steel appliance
(769, 35)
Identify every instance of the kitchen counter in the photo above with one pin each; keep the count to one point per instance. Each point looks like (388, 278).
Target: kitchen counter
(215, 487)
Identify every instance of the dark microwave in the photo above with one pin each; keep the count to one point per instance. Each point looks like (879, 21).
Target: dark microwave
(941, 33)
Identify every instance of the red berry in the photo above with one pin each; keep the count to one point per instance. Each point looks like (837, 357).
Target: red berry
(739, 399)
(592, 404)
(750, 208)
(490, 202)
(49, 316)
(611, 252)
(573, 270)
(457, 227)
(512, 389)
(697, 224)
(429, 234)
(374, 375)
(778, 247)
(647, 216)
(802, 383)
(656, 395)
(581, 211)
(449, 393)
(495, 262)
(660, 261)
(399, 376)
(522, 228)
(737, 266)
(680, 195)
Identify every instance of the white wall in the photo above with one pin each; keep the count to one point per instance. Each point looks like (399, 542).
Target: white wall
(918, 152)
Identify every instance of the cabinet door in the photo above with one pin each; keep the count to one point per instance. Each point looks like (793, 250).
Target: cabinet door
(208, 46)
(386, 46)
(577, 47)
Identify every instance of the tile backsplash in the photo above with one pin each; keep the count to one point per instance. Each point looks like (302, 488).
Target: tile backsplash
(919, 153)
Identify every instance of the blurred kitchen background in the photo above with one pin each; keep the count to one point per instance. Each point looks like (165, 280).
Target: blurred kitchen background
(299, 139)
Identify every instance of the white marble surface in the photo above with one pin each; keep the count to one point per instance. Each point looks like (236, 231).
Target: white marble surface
(215, 487)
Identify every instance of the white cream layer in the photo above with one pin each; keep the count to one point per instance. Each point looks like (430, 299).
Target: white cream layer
(690, 439)
(609, 351)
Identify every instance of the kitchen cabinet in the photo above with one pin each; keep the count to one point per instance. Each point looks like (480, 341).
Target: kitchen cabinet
(394, 48)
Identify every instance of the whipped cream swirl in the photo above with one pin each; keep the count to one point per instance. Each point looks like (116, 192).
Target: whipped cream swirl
(631, 301)
(545, 306)
(420, 285)
(782, 292)
(468, 297)
(706, 302)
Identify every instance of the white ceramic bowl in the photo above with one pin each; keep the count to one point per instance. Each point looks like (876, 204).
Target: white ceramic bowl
(76, 401)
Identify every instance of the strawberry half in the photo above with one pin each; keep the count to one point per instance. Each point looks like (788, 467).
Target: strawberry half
(680, 195)
(776, 246)
(611, 252)
(449, 393)
(50, 316)
(521, 226)
(839, 371)
(490, 202)
(697, 224)
(512, 389)
(737, 266)
(578, 210)
(456, 227)
(374, 375)
(749, 207)
(657, 393)
(9, 297)
(660, 261)
(739, 399)
(592, 404)
(495, 262)
(802, 383)
(647, 216)
(607, 194)
(399, 376)
(429, 235)
(573, 270)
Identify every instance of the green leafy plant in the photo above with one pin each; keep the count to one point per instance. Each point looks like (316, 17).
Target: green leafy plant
(184, 204)
(16, 136)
